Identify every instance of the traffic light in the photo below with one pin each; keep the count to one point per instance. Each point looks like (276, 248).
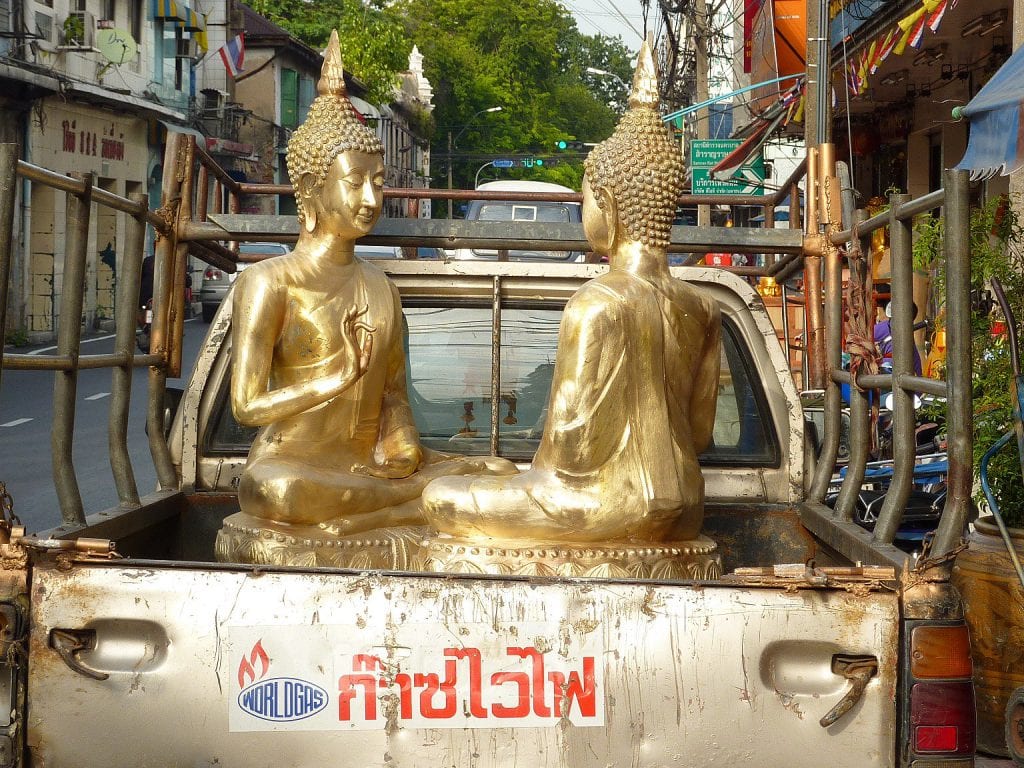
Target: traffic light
(569, 144)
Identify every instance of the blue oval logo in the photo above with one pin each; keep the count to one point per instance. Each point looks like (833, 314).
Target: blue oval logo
(282, 699)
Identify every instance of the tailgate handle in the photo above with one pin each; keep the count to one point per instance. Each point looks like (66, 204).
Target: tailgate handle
(69, 643)
(858, 670)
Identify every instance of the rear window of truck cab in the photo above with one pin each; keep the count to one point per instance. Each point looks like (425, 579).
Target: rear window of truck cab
(448, 372)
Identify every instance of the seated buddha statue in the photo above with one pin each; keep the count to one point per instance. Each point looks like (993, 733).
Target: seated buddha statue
(633, 393)
(318, 362)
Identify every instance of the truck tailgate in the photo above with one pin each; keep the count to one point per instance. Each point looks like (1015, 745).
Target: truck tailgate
(253, 668)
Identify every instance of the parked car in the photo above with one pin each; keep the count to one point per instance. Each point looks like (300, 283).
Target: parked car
(216, 282)
(506, 210)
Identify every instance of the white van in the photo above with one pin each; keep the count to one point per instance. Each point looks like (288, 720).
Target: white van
(506, 210)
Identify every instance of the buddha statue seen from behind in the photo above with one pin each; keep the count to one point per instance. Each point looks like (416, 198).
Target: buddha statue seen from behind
(318, 365)
(632, 401)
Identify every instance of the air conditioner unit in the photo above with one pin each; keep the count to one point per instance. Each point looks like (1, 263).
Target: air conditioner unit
(188, 48)
(78, 30)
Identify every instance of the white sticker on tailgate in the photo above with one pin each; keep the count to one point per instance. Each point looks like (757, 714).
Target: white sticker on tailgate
(340, 677)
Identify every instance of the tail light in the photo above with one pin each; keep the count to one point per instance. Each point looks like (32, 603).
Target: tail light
(942, 719)
(212, 273)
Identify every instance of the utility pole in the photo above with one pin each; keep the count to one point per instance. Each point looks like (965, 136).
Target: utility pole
(449, 172)
(700, 47)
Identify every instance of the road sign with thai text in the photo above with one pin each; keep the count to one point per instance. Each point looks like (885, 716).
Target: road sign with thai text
(705, 154)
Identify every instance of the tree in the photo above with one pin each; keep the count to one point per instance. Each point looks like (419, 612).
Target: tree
(527, 57)
(374, 47)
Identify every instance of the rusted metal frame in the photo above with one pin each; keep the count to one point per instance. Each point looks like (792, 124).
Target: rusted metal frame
(495, 362)
(202, 192)
(833, 333)
(959, 408)
(214, 253)
(165, 245)
(828, 204)
(902, 330)
(163, 280)
(904, 212)
(206, 160)
(176, 307)
(128, 280)
(906, 381)
(81, 362)
(786, 267)
(850, 539)
(8, 193)
(69, 338)
(860, 407)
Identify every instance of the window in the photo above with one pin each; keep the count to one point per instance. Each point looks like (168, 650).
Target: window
(449, 385)
(289, 98)
(135, 19)
(307, 92)
(170, 70)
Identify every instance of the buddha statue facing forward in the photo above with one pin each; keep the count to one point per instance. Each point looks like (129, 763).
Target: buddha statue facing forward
(615, 487)
(318, 364)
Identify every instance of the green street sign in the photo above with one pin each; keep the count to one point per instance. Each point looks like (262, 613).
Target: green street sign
(705, 154)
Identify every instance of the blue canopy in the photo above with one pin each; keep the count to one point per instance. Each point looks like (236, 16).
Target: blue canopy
(996, 143)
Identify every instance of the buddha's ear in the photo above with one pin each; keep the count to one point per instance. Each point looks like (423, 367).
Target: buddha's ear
(306, 190)
(609, 211)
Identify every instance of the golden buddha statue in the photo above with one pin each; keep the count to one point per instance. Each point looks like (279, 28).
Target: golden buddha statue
(615, 487)
(318, 364)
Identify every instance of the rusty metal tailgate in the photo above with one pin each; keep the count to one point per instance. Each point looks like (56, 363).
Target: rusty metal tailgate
(198, 666)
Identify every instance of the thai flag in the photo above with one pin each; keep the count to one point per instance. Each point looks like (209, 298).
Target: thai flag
(887, 45)
(935, 18)
(232, 53)
(917, 32)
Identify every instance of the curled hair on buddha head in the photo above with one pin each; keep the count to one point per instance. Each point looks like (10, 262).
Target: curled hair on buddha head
(330, 128)
(640, 164)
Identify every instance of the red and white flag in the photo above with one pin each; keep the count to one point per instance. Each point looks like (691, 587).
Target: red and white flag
(232, 53)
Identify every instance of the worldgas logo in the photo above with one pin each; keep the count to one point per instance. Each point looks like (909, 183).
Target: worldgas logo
(278, 699)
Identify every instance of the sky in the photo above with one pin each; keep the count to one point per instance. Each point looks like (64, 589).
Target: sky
(605, 17)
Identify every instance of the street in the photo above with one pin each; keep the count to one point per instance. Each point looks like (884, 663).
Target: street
(26, 408)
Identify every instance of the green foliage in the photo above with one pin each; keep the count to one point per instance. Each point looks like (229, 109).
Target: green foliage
(995, 253)
(995, 239)
(374, 47)
(74, 29)
(17, 337)
(528, 58)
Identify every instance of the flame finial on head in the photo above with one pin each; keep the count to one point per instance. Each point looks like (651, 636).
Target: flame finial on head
(332, 75)
(645, 79)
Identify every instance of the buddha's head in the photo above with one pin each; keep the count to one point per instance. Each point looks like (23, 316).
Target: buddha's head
(639, 168)
(334, 142)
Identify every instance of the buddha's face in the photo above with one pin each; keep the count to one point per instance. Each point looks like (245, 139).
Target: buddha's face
(595, 223)
(352, 194)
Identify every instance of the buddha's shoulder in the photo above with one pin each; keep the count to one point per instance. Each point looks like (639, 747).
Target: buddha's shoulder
(603, 295)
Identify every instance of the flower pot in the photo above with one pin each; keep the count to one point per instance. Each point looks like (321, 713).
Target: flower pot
(994, 608)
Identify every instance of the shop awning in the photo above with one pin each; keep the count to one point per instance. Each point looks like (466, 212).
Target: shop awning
(996, 143)
(172, 10)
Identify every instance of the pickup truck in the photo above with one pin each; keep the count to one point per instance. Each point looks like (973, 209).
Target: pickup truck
(125, 643)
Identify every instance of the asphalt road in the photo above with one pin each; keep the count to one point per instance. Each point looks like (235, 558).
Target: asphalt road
(26, 409)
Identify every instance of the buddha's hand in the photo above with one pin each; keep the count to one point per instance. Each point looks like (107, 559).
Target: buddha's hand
(402, 464)
(357, 339)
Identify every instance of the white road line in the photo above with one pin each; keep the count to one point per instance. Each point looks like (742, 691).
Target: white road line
(98, 396)
(15, 423)
(84, 341)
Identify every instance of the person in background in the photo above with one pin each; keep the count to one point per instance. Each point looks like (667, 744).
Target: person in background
(883, 339)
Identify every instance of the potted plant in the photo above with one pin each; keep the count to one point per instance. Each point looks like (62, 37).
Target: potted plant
(74, 30)
(984, 572)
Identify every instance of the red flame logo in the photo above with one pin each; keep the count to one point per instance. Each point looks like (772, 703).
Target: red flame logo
(247, 667)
